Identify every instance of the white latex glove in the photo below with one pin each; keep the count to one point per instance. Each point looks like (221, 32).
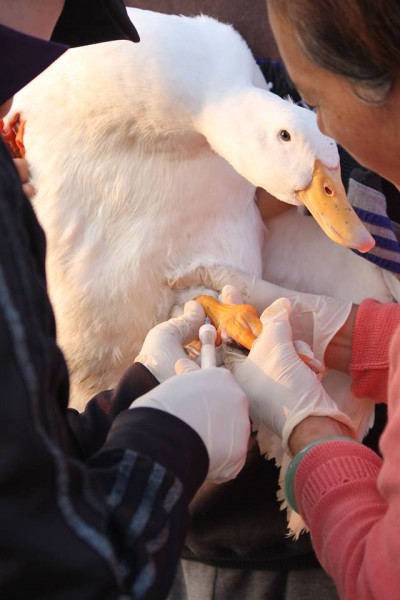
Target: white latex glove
(164, 343)
(281, 389)
(314, 319)
(214, 405)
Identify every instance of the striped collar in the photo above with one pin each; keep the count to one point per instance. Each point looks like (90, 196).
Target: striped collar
(370, 205)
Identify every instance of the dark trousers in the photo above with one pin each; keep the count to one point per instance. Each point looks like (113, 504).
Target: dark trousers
(197, 581)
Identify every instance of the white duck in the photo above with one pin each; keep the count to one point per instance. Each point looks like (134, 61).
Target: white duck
(146, 159)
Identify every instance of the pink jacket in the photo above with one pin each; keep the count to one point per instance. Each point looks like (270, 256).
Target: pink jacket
(348, 495)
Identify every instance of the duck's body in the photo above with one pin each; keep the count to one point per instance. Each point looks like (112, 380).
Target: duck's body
(298, 255)
(146, 159)
(128, 192)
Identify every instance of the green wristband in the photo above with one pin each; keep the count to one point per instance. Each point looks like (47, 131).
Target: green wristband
(292, 468)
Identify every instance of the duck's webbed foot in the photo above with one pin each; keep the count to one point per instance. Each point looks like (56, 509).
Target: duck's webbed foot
(240, 323)
(237, 322)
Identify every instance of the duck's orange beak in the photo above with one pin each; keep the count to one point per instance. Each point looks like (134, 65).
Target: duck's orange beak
(325, 198)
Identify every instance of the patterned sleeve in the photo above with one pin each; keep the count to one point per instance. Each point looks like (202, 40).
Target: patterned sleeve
(109, 526)
(149, 469)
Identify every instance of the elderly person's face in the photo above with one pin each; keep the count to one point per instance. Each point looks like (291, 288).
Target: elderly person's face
(370, 133)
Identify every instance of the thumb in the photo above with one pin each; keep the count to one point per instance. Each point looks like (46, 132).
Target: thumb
(188, 324)
(277, 311)
(275, 321)
(185, 365)
(230, 295)
(276, 316)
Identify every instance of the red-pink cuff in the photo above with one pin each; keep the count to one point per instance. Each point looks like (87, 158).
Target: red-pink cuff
(327, 467)
(373, 331)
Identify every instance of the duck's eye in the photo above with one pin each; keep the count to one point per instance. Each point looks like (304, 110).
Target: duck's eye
(284, 135)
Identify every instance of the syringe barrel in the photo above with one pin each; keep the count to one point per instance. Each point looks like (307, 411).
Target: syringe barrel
(207, 335)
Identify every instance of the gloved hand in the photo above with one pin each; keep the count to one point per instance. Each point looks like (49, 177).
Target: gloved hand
(214, 405)
(164, 343)
(314, 319)
(281, 389)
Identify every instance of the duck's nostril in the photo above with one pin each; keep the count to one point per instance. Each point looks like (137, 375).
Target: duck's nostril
(328, 190)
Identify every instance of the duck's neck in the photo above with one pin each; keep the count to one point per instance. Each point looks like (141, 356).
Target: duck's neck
(234, 126)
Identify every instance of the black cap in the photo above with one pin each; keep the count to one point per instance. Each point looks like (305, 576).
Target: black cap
(23, 57)
(84, 22)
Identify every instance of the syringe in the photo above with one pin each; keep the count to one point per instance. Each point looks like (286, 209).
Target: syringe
(207, 336)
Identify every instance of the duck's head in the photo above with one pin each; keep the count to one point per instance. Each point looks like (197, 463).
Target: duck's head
(291, 159)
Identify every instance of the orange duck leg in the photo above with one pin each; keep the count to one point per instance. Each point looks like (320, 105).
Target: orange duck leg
(240, 323)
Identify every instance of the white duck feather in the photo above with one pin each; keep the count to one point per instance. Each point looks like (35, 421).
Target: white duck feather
(145, 158)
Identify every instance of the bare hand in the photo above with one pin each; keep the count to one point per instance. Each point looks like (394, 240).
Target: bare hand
(21, 165)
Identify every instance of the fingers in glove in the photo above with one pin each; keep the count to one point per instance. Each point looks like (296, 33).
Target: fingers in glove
(188, 324)
(276, 325)
(230, 295)
(307, 356)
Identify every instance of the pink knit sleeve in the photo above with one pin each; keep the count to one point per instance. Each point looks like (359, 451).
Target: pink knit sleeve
(373, 331)
(350, 499)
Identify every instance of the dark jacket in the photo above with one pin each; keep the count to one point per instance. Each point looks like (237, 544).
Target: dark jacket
(92, 505)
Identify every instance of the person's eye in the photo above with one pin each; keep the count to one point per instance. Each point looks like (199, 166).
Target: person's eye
(313, 107)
